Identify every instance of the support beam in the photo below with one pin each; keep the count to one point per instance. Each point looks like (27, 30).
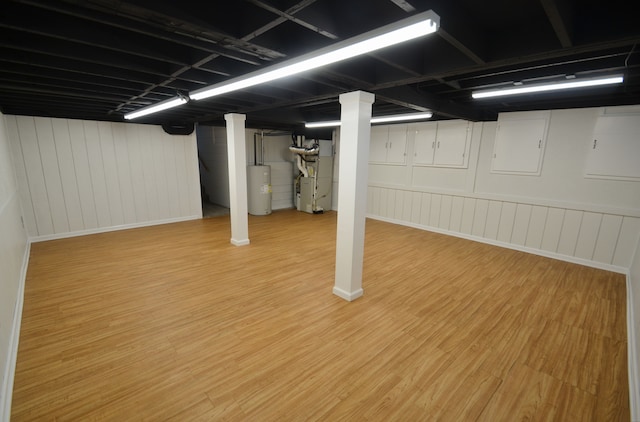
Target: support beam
(237, 155)
(355, 134)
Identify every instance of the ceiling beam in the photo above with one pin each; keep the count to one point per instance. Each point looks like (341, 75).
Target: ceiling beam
(290, 17)
(411, 98)
(558, 16)
(404, 5)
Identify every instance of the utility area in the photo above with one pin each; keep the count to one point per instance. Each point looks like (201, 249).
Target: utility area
(312, 185)
(289, 169)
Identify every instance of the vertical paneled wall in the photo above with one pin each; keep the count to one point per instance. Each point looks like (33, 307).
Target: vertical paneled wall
(13, 260)
(86, 176)
(557, 213)
(591, 236)
(274, 152)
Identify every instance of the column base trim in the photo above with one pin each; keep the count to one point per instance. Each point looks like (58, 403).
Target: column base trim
(242, 242)
(349, 296)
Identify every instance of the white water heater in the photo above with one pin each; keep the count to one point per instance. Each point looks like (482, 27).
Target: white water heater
(259, 190)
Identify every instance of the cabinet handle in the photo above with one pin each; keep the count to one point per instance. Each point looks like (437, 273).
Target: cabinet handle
(433, 145)
(438, 144)
(595, 141)
(540, 144)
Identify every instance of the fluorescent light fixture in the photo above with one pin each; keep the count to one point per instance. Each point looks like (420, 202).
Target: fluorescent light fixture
(402, 117)
(328, 123)
(407, 29)
(380, 119)
(553, 86)
(163, 105)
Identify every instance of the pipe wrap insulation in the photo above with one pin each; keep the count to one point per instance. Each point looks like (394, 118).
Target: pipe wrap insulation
(312, 150)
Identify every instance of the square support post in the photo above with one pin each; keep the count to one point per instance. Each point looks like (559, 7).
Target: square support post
(237, 156)
(355, 134)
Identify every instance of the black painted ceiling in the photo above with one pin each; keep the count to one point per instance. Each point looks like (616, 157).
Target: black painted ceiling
(99, 59)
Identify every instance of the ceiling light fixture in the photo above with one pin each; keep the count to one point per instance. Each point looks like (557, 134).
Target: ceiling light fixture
(163, 105)
(380, 119)
(553, 86)
(407, 29)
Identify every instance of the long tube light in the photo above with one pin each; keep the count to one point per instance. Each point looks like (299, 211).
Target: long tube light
(407, 29)
(380, 119)
(553, 86)
(163, 105)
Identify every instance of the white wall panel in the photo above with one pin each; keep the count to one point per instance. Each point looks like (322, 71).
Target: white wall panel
(124, 172)
(22, 181)
(148, 171)
(375, 200)
(83, 175)
(170, 170)
(13, 258)
(391, 203)
(457, 206)
(508, 216)
(570, 232)
(480, 217)
(182, 178)
(282, 184)
(468, 211)
(521, 224)
(445, 212)
(35, 174)
(407, 205)
(434, 214)
(51, 172)
(191, 156)
(552, 229)
(607, 238)
(79, 176)
(416, 207)
(384, 209)
(67, 174)
(96, 169)
(111, 176)
(138, 191)
(425, 209)
(159, 174)
(535, 231)
(588, 235)
(629, 233)
(493, 220)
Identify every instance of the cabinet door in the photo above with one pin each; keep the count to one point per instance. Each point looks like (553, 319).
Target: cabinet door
(397, 146)
(451, 144)
(378, 144)
(519, 146)
(425, 142)
(615, 148)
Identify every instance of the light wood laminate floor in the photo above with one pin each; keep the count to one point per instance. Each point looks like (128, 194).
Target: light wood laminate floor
(172, 322)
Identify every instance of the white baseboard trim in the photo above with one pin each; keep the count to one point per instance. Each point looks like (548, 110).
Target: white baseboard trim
(632, 356)
(240, 242)
(349, 296)
(540, 252)
(44, 238)
(6, 390)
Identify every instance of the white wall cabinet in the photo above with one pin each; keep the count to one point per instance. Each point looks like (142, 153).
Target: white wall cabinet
(442, 144)
(388, 144)
(519, 144)
(614, 151)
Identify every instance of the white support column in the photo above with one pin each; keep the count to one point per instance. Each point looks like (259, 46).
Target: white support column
(355, 134)
(237, 155)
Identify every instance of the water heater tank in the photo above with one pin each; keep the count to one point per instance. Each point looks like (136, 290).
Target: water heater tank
(259, 190)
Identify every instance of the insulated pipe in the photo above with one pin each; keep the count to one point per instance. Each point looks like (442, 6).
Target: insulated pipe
(312, 150)
(301, 166)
